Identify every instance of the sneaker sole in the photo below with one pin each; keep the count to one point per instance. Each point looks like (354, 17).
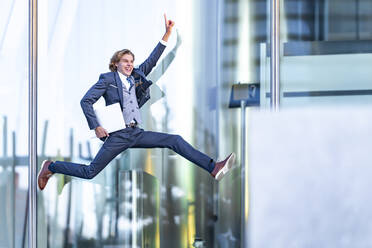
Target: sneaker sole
(226, 168)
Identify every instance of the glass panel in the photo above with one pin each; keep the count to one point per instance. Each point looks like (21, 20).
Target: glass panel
(13, 122)
(326, 49)
(138, 221)
(244, 26)
(76, 42)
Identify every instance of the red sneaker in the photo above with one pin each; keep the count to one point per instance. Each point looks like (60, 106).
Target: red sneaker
(44, 174)
(221, 168)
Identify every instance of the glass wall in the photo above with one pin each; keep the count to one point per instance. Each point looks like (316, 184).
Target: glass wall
(324, 73)
(325, 50)
(14, 122)
(76, 42)
(324, 60)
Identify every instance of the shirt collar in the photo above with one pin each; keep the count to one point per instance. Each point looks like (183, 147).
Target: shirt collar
(122, 76)
(124, 80)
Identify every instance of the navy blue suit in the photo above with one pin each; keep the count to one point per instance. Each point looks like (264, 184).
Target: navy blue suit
(110, 87)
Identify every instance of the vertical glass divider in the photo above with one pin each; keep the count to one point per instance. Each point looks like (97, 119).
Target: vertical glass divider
(274, 54)
(32, 126)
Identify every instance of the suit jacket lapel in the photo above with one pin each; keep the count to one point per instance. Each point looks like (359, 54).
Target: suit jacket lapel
(119, 84)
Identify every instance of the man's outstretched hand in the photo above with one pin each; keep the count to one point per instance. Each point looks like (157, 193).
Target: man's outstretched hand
(101, 132)
(168, 28)
(168, 24)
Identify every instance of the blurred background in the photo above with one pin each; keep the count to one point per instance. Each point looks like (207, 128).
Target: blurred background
(155, 198)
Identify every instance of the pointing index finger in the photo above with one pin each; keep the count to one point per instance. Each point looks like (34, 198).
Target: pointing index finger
(165, 18)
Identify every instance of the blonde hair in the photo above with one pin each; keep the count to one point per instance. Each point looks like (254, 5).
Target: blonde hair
(116, 58)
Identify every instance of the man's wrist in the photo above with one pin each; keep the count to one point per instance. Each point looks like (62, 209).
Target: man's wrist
(166, 36)
(163, 42)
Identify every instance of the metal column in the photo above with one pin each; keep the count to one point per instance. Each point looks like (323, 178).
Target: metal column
(274, 54)
(219, 21)
(244, 182)
(32, 126)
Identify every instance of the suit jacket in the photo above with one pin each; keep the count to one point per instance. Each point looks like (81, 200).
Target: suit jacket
(110, 87)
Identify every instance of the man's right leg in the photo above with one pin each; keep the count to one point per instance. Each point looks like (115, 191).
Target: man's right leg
(115, 144)
(102, 159)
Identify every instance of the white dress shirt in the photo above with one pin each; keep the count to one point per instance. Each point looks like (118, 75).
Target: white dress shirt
(124, 80)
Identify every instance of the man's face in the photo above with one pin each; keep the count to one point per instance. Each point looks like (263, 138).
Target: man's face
(125, 64)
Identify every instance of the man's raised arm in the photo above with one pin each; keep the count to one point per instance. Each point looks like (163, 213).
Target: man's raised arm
(151, 61)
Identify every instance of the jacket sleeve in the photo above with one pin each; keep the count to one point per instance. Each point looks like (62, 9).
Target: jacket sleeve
(93, 94)
(151, 61)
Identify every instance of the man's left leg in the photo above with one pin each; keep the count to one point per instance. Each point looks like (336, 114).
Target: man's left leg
(148, 139)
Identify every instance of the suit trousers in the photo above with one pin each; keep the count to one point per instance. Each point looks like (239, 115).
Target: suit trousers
(132, 137)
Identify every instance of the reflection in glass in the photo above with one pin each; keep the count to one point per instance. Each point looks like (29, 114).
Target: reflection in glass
(75, 46)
